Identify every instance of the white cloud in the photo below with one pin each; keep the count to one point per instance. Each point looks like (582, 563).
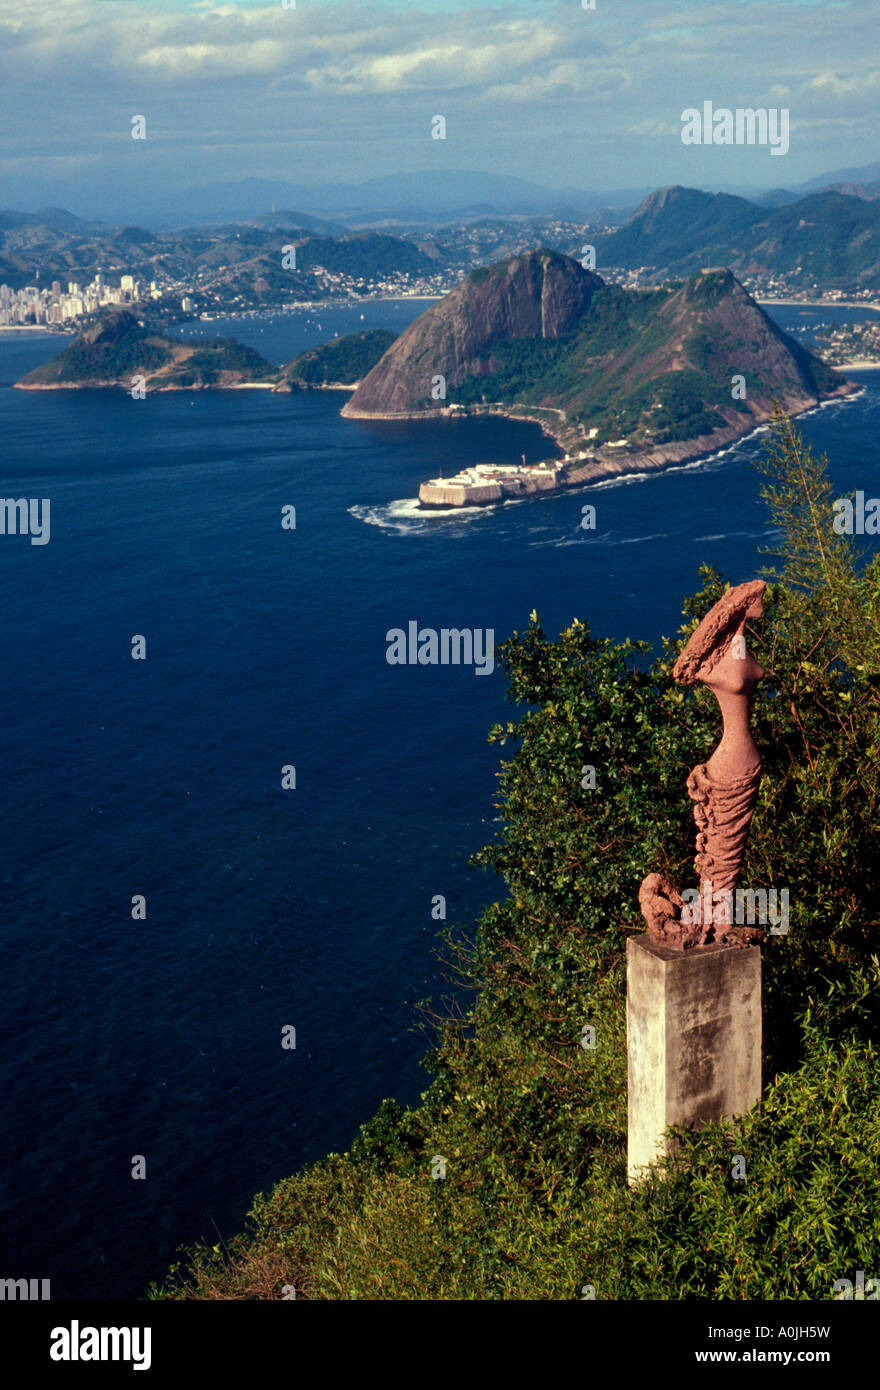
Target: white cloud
(653, 129)
(330, 47)
(170, 61)
(620, 74)
(853, 84)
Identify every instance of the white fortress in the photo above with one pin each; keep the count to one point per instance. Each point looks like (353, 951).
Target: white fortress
(485, 483)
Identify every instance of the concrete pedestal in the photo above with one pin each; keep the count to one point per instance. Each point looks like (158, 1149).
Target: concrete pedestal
(693, 1038)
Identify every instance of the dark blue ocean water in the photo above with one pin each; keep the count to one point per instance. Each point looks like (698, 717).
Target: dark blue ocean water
(162, 777)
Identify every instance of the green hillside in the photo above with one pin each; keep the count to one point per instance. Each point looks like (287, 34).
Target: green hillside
(117, 348)
(343, 361)
(114, 349)
(508, 1180)
(537, 334)
(827, 239)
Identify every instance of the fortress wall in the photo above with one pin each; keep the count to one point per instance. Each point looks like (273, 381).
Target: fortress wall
(459, 494)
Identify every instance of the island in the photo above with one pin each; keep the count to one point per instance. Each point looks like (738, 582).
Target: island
(118, 350)
(621, 380)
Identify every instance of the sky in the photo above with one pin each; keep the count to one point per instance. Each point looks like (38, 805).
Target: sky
(344, 90)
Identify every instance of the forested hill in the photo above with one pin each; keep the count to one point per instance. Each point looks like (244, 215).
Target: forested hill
(828, 239)
(537, 334)
(342, 362)
(117, 348)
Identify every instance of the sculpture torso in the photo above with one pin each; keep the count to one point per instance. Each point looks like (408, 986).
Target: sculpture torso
(725, 788)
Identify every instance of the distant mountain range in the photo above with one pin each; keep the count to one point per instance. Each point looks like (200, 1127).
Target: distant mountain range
(431, 196)
(825, 235)
(864, 174)
(421, 197)
(409, 197)
(424, 197)
(828, 239)
(56, 219)
(236, 259)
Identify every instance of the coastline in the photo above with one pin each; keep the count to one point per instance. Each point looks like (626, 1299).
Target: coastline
(200, 386)
(601, 468)
(309, 305)
(823, 303)
(297, 384)
(50, 330)
(150, 391)
(72, 327)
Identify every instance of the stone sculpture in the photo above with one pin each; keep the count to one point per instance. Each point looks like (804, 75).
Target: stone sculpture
(724, 789)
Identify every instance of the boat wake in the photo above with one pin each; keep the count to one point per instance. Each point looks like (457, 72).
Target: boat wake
(406, 518)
